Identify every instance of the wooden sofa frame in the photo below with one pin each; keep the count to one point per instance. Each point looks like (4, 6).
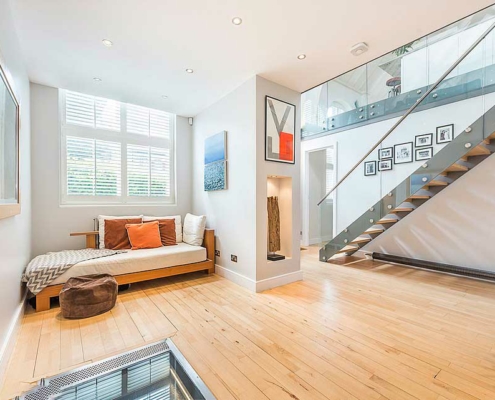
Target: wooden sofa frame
(43, 297)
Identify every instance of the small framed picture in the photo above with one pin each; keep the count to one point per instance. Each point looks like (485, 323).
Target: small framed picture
(384, 165)
(369, 168)
(424, 140)
(403, 153)
(385, 153)
(445, 133)
(424, 154)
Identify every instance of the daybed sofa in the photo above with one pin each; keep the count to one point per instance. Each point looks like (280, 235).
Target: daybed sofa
(137, 265)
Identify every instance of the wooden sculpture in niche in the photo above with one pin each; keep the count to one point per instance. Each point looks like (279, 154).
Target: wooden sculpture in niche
(273, 229)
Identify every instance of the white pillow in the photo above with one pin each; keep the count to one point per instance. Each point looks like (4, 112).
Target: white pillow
(101, 225)
(178, 224)
(194, 229)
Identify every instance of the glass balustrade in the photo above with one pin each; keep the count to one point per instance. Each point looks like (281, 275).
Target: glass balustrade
(389, 85)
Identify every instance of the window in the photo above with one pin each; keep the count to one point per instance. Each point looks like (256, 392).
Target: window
(115, 153)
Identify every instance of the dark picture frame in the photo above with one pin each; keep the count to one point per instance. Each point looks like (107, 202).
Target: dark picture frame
(383, 154)
(422, 149)
(426, 135)
(372, 170)
(276, 124)
(385, 165)
(403, 153)
(447, 131)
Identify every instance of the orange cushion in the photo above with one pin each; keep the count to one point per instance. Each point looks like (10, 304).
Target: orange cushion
(144, 236)
(116, 237)
(167, 231)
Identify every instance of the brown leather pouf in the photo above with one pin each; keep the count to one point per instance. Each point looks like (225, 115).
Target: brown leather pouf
(87, 296)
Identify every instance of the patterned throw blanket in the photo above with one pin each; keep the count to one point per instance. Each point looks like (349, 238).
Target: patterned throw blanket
(43, 270)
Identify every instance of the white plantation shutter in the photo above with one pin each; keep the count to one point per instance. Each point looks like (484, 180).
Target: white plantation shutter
(138, 170)
(93, 167)
(80, 166)
(115, 152)
(90, 111)
(107, 114)
(79, 109)
(160, 172)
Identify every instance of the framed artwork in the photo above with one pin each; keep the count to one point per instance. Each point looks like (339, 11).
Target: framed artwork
(369, 168)
(385, 153)
(424, 153)
(10, 203)
(280, 126)
(445, 133)
(424, 140)
(384, 165)
(215, 170)
(403, 153)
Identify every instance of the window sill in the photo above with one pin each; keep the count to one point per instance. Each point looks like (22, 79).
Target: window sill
(118, 205)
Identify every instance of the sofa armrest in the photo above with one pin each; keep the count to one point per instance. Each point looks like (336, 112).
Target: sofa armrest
(91, 238)
(209, 243)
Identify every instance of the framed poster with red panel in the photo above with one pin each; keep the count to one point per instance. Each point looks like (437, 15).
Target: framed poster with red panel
(280, 129)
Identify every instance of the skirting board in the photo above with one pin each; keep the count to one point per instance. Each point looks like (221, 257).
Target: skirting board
(258, 286)
(9, 343)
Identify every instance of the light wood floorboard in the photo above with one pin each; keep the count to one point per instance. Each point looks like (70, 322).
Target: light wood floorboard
(352, 330)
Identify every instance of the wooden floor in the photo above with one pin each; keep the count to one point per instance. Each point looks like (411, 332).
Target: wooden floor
(365, 330)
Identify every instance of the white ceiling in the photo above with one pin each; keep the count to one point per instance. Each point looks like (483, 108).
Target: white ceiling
(156, 40)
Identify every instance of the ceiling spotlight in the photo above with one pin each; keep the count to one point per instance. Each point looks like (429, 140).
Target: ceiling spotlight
(97, 79)
(359, 49)
(107, 43)
(189, 71)
(236, 21)
(301, 56)
(164, 97)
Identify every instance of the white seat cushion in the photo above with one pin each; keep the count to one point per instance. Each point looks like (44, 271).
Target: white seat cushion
(194, 229)
(136, 261)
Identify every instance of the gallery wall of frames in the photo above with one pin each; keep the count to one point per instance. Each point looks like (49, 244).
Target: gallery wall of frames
(419, 150)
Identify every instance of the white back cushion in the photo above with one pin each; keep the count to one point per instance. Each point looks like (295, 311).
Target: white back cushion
(101, 225)
(194, 229)
(178, 224)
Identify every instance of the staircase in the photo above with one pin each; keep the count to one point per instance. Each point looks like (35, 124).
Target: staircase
(456, 159)
(469, 148)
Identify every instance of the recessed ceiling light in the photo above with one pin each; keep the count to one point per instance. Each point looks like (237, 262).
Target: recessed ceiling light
(107, 43)
(301, 56)
(97, 79)
(236, 21)
(189, 71)
(164, 97)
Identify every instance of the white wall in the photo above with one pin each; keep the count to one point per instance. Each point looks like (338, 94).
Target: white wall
(230, 212)
(15, 232)
(271, 272)
(53, 223)
(239, 214)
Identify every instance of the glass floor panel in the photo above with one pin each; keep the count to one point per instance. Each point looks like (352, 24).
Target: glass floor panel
(154, 372)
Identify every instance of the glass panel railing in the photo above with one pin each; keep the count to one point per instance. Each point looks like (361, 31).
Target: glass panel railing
(391, 84)
(415, 159)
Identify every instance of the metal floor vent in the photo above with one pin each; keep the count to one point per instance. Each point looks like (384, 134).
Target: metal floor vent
(49, 388)
(434, 266)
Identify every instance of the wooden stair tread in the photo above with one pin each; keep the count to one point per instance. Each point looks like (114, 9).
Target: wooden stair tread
(457, 168)
(492, 136)
(437, 183)
(346, 249)
(361, 240)
(387, 221)
(373, 231)
(402, 209)
(478, 151)
(419, 197)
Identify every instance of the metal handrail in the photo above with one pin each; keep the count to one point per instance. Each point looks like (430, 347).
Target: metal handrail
(413, 107)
